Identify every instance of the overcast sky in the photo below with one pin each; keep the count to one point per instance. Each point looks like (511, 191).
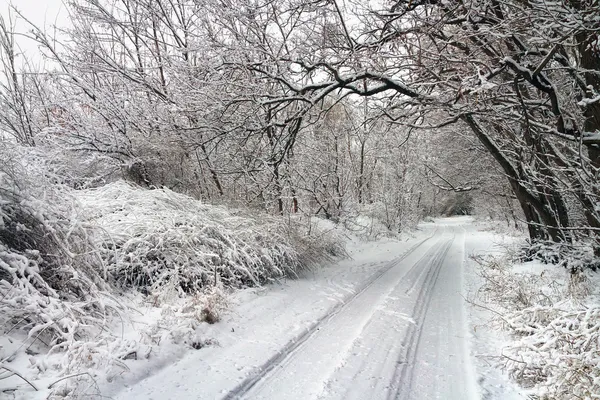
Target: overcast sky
(43, 13)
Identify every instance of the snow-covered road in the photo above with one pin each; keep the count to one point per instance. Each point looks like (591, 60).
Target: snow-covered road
(393, 329)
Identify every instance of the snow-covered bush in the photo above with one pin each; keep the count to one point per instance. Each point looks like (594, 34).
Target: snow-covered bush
(554, 323)
(46, 259)
(575, 256)
(378, 219)
(153, 239)
(557, 350)
(317, 240)
(53, 291)
(64, 254)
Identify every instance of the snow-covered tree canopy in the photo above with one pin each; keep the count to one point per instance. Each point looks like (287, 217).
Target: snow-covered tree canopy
(233, 99)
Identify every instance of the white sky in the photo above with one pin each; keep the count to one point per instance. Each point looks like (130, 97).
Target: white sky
(43, 13)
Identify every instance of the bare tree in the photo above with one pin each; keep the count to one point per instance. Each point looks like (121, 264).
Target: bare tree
(17, 115)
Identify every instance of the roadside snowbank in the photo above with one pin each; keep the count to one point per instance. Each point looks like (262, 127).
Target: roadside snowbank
(542, 321)
(69, 259)
(152, 239)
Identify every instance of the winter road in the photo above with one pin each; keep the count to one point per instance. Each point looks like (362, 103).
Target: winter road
(399, 334)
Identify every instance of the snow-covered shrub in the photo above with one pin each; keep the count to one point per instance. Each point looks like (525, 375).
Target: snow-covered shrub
(65, 166)
(573, 256)
(63, 250)
(555, 326)
(509, 290)
(53, 292)
(209, 306)
(376, 220)
(181, 320)
(46, 259)
(316, 240)
(155, 239)
(557, 350)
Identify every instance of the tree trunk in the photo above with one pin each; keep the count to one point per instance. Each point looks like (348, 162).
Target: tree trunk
(540, 218)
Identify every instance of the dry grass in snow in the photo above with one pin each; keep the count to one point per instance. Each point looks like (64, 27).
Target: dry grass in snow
(153, 239)
(553, 317)
(69, 260)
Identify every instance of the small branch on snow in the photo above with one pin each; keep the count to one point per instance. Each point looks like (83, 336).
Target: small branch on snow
(68, 377)
(488, 309)
(12, 371)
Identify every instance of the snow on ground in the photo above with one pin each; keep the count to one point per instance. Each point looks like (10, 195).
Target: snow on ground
(390, 322)
(378, 325)
(487, 341)
(263, 321)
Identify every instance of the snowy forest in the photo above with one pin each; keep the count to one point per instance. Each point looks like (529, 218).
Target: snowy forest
(171, 152)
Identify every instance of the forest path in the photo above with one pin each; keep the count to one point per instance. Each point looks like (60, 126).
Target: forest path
(392, 329)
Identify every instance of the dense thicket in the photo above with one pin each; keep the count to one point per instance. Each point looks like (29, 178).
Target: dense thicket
(329, 107)
(215, 100)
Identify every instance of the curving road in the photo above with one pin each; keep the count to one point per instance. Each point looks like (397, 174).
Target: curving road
(399, 334)
(401, 337)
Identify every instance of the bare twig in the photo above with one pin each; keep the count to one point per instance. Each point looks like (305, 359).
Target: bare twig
(3, 366)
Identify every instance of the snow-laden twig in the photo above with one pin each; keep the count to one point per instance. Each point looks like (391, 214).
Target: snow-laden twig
(555, 351)
(12, 371)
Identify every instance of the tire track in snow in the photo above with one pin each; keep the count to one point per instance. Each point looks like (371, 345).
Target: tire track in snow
(403, 377)
(247, 384)
(420, 275)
